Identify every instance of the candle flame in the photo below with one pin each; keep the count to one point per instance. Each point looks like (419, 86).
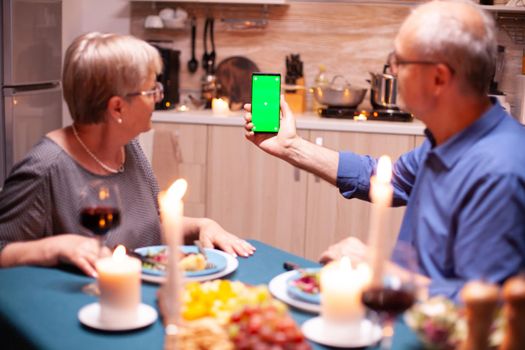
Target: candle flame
(384, 169)
(119, 252)
(345, 263)
(177, 190)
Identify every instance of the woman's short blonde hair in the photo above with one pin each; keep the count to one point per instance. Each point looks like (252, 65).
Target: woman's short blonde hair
(99, 66)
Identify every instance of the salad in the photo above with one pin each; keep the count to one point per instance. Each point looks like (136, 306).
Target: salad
(158, 260)
(441, 324)
(308, 282)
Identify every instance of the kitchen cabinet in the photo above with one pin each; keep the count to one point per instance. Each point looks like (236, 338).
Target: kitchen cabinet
(179, 150)
(253, 194)
(249, 2)
(329, 216)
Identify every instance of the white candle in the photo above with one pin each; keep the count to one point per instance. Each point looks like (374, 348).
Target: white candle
(219, 106)
(341, 288)
(381, 194)
(171, 209)
(119, 284)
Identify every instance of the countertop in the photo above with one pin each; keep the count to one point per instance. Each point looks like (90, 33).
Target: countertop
(309, 121)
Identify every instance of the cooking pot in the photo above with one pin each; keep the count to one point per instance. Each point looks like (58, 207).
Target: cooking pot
(338, 94)
(383, 90)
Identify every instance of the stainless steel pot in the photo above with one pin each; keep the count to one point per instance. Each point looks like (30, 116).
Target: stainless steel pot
(383, 90)
(338, 95)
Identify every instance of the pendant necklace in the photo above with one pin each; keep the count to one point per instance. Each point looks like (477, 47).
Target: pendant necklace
(99, 162)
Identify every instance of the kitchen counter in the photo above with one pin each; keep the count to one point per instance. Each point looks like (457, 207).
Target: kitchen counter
(309, 121)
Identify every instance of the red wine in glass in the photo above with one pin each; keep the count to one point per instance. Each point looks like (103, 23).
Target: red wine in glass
(100, 219)
(99, 213)
(388, 300)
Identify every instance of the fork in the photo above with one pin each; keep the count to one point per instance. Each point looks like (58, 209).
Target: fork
(198, 244)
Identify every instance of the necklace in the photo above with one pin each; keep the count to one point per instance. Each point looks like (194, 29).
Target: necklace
(104, 166)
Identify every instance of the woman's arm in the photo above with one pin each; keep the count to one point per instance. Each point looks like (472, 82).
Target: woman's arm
(66, 248)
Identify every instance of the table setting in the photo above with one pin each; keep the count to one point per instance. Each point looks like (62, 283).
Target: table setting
(185, 294)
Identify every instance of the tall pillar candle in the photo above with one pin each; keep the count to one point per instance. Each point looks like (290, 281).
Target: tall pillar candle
(119, 284)
(171, 209)
(381, 194)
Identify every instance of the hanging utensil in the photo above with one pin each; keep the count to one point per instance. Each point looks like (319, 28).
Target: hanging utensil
(193, 64)
(206, 55)
(212, 40)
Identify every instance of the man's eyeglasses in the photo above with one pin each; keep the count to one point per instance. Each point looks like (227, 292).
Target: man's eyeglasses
(394, 61)
(157, 92)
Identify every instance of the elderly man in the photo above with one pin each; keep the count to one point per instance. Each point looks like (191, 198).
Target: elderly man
(464, 187)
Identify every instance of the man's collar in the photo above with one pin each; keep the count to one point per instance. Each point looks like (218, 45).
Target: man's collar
(452, 150)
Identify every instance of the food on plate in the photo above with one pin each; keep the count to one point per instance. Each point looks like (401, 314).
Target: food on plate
(267, 326)
(193, 262)
(308, 281)
(203, 334)
(441, 325)
(219, 299)
(249, 314)
(158, 260)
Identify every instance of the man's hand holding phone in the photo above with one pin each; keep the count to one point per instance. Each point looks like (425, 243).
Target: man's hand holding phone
(274, 144)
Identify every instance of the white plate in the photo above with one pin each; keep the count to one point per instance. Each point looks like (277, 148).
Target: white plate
(278, 287)
(231, 265)
(358, 335)
(89, 315)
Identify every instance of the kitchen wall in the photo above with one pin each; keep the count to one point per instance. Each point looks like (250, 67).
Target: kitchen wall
(349, 39)
(82, 16)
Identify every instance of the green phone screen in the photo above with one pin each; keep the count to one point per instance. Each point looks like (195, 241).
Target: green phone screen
(266, 97)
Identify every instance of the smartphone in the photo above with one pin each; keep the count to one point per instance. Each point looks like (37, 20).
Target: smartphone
(266, 99)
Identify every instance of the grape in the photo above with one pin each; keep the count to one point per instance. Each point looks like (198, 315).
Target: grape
(266, 327)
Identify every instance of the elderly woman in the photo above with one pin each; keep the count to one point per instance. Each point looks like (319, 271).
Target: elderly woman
(110, 89)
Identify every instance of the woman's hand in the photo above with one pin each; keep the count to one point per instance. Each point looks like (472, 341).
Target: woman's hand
(68, 248)
(273, 144)
(211, 234)
(76, 250)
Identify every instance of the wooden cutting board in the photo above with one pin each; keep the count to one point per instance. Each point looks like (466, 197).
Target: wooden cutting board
(234, 76)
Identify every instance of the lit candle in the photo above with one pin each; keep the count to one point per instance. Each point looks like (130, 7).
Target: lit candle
(381, 193)
(119, 284)
(219, 106)
(171, 209)
(341, 287)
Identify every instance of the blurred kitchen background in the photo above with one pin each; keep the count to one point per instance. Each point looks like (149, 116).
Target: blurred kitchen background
(349, 38)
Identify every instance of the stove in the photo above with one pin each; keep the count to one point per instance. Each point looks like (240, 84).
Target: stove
(393, 115)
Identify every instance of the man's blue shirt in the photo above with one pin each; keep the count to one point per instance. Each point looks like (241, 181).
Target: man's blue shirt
(465, 201)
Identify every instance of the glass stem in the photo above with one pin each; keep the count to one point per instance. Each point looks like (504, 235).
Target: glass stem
(101, 241)
(388, 332)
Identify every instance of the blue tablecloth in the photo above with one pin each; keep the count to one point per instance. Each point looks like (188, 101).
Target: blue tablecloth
(39, 306)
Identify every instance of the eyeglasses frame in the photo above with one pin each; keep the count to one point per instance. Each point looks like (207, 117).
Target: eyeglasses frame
(157, 92)
(393, 60)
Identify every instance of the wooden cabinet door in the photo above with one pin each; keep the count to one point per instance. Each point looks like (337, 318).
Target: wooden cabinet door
(329, 216)
(253, 194)
(179, 151)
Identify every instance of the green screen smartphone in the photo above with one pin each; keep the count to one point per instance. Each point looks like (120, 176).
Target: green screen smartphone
(266, 99)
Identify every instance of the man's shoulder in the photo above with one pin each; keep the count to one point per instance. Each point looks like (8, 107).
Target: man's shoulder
(502, 149)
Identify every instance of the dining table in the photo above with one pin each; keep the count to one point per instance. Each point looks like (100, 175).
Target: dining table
(39, 307)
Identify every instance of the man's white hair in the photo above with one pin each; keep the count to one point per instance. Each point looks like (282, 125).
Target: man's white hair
(468, 46)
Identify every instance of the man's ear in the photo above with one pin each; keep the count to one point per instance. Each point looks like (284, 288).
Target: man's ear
(442, 76)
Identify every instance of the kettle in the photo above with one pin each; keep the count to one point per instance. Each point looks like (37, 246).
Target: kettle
(383, 90)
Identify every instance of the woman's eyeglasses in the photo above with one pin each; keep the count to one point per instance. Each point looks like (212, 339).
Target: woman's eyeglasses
(394, 61)
(157, 92)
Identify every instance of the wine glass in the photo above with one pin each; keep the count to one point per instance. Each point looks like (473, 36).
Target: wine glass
(99, 213)
(392, 289)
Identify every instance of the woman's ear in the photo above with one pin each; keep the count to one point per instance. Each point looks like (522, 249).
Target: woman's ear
(116, 106)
